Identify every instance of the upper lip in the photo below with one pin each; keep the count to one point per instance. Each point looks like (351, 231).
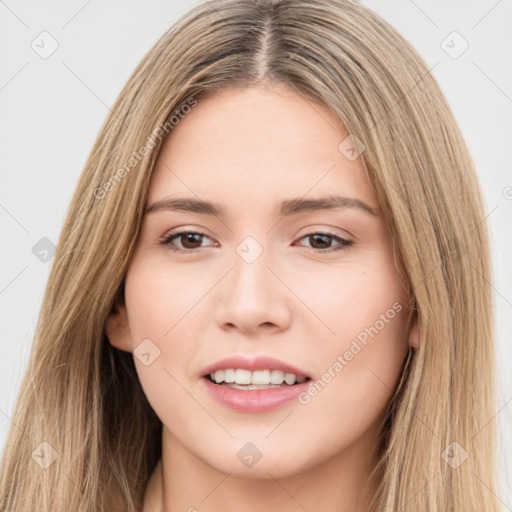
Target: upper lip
(260, 362)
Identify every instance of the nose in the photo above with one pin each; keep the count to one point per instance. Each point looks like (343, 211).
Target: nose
(253, 297)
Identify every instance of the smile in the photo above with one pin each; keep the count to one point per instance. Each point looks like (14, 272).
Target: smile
(251, 380)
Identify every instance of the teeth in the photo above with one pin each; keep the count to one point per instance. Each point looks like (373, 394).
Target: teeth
(242, 376)
(257, 378)
(289, 378)
(260, 377)
(276, 377)
(229, 375)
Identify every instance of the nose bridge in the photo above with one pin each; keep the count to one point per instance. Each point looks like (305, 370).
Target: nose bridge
(250, 250)
(252, 296)
(250, 276)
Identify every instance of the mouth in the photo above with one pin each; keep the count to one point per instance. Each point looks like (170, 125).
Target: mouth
(247, 380)
(249, 384)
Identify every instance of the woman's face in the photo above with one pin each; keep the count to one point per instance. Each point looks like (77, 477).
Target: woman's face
(274, 273)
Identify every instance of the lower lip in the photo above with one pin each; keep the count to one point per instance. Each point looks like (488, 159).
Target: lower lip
(257, 400)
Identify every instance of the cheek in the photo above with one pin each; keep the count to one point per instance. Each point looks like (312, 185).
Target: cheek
(158, 303)
(351, 298)
(161, 299)
(358, 378)
(365, 308)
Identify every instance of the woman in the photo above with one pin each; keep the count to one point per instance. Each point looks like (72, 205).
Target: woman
(270, 285)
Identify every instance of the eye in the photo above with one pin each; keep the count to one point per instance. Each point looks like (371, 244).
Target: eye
(321, 242)
(191, 240)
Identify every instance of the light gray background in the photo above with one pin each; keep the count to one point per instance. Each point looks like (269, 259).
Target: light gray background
(51, 111)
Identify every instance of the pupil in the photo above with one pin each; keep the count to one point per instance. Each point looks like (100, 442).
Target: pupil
(326, 244)
(188, 238)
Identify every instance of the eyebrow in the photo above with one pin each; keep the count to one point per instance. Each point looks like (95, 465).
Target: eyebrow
(288, 207)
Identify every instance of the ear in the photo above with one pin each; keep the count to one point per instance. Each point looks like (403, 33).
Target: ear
(117, 328)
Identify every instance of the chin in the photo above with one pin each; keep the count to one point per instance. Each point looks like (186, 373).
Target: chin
(278, 461)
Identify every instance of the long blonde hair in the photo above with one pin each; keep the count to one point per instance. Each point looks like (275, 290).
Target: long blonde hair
(82, 397)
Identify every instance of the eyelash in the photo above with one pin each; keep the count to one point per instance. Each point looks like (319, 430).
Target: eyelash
(344, 244)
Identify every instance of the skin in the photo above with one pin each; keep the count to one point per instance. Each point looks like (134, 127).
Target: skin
(249, 150)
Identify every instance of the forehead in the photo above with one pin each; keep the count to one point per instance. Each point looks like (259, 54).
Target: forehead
(257, 145)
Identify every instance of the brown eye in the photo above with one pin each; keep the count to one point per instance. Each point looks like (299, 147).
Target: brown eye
(321, 242)
(189, 241)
